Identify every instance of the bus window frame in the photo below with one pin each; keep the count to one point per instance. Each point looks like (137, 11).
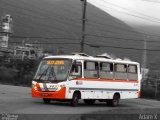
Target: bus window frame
(96, 68)
(106, 70)
(136, 69)
(111, 71)
(115, 70)
(119, 73)
(81, 67)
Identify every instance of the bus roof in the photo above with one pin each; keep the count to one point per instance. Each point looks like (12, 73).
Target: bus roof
(91, 58)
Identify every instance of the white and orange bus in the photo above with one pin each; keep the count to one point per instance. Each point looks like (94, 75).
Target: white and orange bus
(79, 76)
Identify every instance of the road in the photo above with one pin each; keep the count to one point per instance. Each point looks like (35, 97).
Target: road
(18, 100)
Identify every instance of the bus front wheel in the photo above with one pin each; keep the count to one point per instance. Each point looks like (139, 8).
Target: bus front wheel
(74, 100)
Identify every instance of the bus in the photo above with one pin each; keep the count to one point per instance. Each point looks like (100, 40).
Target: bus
(80, 76)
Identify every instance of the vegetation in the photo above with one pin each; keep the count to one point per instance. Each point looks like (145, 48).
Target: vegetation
(150, 92)
(17, 72)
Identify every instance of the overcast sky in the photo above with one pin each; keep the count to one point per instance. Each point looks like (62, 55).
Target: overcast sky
(133, 12)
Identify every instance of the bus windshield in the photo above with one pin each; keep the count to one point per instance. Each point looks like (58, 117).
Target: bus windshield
(53, 70)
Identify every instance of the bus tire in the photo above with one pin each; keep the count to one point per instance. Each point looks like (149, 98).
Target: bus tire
(46, 101)
(115, 101)
(89, 101)
(74, 100)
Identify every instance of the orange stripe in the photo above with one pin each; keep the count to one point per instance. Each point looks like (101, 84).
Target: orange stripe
(106, 80)
(52, 95)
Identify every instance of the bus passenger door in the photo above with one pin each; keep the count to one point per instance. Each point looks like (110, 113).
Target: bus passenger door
(73, 82)
(76, 70)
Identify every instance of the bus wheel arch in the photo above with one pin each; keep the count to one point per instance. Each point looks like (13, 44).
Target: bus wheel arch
(76, 96)
(115, 99)
(118, 94)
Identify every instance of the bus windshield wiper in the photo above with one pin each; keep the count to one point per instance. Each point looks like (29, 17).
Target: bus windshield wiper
(53, 73)
(43, 73)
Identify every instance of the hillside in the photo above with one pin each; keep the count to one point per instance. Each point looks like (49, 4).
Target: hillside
(58, 23)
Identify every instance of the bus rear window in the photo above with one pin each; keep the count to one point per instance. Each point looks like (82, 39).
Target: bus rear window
(132, 69)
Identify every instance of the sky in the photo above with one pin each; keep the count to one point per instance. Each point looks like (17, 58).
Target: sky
(133, 12)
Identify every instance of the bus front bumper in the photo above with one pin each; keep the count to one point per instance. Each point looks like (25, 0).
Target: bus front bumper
(52, 95)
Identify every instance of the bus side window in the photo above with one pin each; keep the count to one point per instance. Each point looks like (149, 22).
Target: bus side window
(90, 69)
(132, 72)
(76, 70)
(120, 71)
(106, 70)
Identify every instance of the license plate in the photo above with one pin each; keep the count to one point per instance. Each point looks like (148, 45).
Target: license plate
(44, 94)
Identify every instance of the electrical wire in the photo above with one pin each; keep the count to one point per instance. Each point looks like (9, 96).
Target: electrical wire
(129, 10)
(128, 39)
(118, 47)
(140, 17)
(39, 37)
(49, 43)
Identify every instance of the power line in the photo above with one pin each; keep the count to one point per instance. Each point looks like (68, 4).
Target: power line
(153, 1)
(40, 13)
(63, 17)
(140, 17)
(120, 28)
(91, 45)
(49, 43)
(39, 37)
(110, 25)
(60, 21)
(131, 11)
(118, 38)
(76, 43)
(43, 27)
(131, 31)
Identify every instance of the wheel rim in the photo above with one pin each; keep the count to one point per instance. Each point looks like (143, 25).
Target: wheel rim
(75, 100)
(116, 100)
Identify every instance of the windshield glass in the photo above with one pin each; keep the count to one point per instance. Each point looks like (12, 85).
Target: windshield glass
(53, 69)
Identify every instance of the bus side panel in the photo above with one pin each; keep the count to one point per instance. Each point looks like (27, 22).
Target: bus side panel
(96, 89)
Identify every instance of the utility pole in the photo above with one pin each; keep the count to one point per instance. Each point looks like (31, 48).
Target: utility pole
(84, 3)
(156, 85)
(144, 59)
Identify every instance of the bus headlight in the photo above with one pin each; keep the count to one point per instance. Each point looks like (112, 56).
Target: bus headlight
(34, 87)
(60, 86)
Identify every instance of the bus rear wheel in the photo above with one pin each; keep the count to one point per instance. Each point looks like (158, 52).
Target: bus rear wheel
(114, 102)
(89, 101)
(46, 101)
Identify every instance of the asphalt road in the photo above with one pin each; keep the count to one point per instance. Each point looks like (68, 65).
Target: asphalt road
(17, 100)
